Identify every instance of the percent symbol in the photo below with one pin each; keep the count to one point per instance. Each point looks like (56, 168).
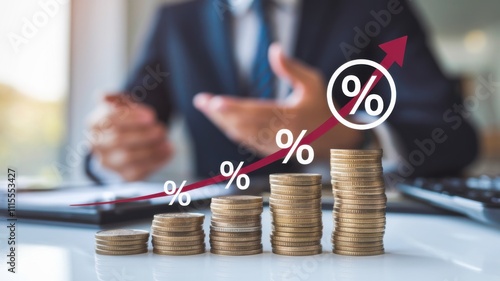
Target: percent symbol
(234, 174)
(294, 146)
(363, 95)
(170, 188)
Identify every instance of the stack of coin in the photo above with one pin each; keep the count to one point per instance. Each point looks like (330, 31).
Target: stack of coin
(295, 204)
(360, 202)
(178, 234)
(236, 226)
(120, 242)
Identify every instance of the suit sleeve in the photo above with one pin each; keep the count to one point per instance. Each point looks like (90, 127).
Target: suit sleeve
(436, 139)
(148, 81)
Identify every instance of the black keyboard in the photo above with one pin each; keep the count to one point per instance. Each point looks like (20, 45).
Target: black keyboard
(475, 197)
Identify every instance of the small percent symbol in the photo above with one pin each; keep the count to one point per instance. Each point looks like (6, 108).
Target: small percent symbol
(363, 95)
(170, 188)
(233, 173)
(294, 146)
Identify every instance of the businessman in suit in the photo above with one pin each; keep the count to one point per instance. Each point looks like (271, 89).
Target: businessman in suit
(214, 62)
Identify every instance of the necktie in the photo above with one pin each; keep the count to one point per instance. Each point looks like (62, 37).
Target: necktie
(262, 78)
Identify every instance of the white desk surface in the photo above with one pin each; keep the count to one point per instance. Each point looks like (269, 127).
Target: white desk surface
(419, 247)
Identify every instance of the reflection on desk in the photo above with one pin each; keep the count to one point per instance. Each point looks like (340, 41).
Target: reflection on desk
(419, 247)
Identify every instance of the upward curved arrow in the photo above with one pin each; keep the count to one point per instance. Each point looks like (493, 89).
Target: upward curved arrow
(395, 51)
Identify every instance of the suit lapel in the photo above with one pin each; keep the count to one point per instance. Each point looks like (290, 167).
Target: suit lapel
(218, 38)
(313, 19)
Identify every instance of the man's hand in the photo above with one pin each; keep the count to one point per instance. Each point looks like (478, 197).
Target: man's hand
(255, 123)
(128, 139)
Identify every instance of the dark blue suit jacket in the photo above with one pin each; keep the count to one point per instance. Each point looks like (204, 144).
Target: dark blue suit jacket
(191, 42)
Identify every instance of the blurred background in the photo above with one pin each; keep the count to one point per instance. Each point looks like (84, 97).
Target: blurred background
(56, 61)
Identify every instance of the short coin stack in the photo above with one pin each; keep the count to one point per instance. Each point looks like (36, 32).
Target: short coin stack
(295, 205)
(178, 234)
(236, 226)
(120, 242)
(360, 202)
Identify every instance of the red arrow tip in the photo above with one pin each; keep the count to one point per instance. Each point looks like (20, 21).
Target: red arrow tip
(395, 49)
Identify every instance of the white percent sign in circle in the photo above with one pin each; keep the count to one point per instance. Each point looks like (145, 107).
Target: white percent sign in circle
(334, 77)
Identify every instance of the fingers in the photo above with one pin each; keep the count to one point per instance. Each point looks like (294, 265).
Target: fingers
(138, 163)
(120, 111)
(123, 137)
(303, 78)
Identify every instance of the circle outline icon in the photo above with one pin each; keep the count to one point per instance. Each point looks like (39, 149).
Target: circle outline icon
(334, 77)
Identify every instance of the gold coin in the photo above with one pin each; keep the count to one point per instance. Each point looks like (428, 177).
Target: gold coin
(297, 229)
(235, 234)
(157, 229)
(360, 230)
(359, 207)
(296, 177)
(296, 253)
(352, 175)
(238, 206)
(121, 242)
(346, 220)
(293, 201)
(179, 248)
(357, 244)
(293, 239)
(338, 183)
(342, 210)
(299, 249)
(122, 234)
(288, 220)
(179, 236)
(231, 248)
(173, 217)
(235, 229)
(295, 206)
(359, 225)
(359, 192)
(352, 253)
(295, 197)
(172, 239)
(367, 249)
(235, 212)
(292, 212)
(236, 253)
(356, 151)
(178, 253)
(340, 165)
(237, 224)
(336, 238)
(228, 218)
(176, 223)
(175, 233)
(358, 234)
(374, 215)
(121, 253)
(236, 239)
(282, 224)
(236, 244)
(293, 244)
(295, 216)
(360, 202)
(315, 234)
(313, 188)
(121, 248)
(346, 196)
(237, 199)
(178, 243)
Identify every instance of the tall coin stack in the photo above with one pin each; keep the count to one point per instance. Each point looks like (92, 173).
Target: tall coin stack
(236, 226)
(178, 234)
(120, 242)
(360, 202)
(295, 204)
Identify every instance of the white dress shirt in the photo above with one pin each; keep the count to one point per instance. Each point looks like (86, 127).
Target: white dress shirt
(284, 20)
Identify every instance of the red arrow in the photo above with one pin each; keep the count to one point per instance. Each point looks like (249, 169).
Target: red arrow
(394, 50)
